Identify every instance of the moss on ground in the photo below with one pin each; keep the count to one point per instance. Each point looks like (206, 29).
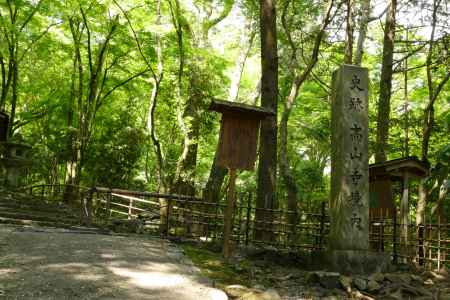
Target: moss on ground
(214, 266)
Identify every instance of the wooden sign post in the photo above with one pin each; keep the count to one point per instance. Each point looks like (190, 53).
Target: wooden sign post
(237, 150)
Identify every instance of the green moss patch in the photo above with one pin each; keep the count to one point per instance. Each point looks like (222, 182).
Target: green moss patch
(214, 266)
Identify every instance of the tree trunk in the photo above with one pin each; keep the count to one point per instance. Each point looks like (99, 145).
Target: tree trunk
(267, 170)
(211, 192)
(364, 22)
(14, 87)
(428, 125)
(247, 43)
(348, 54)
(284, 162)
(384, 102)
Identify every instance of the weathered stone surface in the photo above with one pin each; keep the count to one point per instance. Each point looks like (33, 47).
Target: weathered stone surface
(261, 295)
(329, 280)
(259, 287)
(434, 275)
(399, 278)
(378, 277)
(373, 286)
(346, 282)
(236, 290)
(215, 294)
(352, 261)
(349, 202)
(360, 283)
(332, 297)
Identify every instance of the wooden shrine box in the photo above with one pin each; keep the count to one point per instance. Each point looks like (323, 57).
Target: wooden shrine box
(381, 177)
(4, 121)
(238, 133)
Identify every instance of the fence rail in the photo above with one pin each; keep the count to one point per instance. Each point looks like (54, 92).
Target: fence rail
(186, 216)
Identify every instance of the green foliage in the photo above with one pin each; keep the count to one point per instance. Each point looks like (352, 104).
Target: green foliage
(119, 150)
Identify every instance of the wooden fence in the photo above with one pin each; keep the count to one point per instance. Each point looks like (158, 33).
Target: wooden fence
(185, 216)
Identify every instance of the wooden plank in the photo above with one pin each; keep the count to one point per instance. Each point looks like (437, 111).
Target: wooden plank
(238, 142)
(147, 194)
(134, 199)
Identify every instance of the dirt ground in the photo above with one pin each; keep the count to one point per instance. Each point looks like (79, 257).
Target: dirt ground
(50, 263)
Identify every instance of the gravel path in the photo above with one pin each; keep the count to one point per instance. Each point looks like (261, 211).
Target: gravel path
(46, 263)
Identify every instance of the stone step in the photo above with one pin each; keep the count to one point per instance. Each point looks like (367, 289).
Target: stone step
(4, 220)
(36, 216)
(30, 207)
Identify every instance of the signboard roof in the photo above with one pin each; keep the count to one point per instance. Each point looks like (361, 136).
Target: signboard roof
(245, 110)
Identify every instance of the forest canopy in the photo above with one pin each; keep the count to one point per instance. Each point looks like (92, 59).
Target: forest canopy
(115, 93)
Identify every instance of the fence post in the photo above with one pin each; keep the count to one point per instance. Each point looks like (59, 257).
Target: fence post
(108, 205)
(439, 244)
(394, 235)
(168, 217)
(322, 224)
(130, 208)
(239, 211)
(89, 207)
(217, 204)
(247, 221)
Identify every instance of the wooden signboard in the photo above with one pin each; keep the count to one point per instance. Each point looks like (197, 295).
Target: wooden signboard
(237, 149)
(238, 142)
(238, 133)
(381, 202)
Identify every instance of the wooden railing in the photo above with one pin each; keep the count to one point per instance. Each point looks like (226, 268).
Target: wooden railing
(186, 216)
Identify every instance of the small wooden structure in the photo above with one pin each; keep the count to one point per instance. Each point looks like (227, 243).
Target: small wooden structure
(381, 177)
(237, 149)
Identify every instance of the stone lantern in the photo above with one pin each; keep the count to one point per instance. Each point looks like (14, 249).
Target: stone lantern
(14, 161)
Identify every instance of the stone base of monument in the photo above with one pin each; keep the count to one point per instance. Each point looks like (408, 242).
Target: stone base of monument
(352, 261)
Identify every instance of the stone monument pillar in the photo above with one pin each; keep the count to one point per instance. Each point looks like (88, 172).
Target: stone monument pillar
(349, 203)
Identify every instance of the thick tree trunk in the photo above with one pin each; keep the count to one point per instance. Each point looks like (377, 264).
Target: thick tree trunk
(211, 193)
(384, 102)
(267, 170)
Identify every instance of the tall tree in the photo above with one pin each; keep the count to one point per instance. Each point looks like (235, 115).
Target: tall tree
(192, 105)
(384, 100)
(300, 76)
(362, 30)
(211, 192)
(17, 40)
(267, 168)
(93, 86)
(349, 30)
(435, 87)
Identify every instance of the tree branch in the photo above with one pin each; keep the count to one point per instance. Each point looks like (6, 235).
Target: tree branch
(137, 41)
(99, 103)
(30, 16)
(36, 40)
(88, 32)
